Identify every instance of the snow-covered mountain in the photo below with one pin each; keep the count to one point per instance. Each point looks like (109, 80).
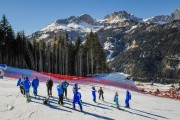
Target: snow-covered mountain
(162, 19)
(82, 23)
(74, 25)
(113, 31)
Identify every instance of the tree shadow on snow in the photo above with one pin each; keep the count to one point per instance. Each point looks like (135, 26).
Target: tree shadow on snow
(70, 103)
(55, 100)
(106, 105)
(150, 113)
(94, 115)
(96, 105)
(138, 114)
(98, 116)
(84, 103)
(133, 109)
(53, 107)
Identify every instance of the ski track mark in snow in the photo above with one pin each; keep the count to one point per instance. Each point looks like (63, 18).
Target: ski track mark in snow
(9, 95)
(8, 107)
(29, 114)
(18, 115)
(161, 109)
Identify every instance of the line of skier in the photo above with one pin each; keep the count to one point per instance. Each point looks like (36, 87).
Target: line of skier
(128, 98)
(25, 84)
(116, 98)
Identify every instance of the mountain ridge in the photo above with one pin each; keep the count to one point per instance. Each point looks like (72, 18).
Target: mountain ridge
(113, 24)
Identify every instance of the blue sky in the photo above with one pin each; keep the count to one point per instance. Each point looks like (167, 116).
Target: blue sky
(33, 15)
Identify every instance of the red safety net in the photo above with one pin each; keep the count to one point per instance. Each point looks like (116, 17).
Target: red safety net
(76, 79)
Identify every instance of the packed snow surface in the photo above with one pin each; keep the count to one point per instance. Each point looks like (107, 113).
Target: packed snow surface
(13, 105)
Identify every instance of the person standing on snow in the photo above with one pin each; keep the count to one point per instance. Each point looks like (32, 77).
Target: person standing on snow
(27, 85)
(60, 94)
(20, 84)
(1, 73)
(128, 97)
(101, 92)
(94, 94)
(49, 85)
(77, 99)
(35, 84)
(75, 87)
(65, 84)
(116, 100)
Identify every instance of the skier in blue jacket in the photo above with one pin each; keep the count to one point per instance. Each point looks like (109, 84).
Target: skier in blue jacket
(94, 94)
(60, 94)
(27, 85)
(77, 99)
(65, 84)
(20, 84)
(128, 97)
(116, 100)
(75, 87)
(35, 84)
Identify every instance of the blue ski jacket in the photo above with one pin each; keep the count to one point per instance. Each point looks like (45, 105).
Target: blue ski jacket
(75, 88)
(20, 82)
(27, 84)
(60, 89)
(93, 91)
(35, 83)
(77, 96)
(65, 85)
(128, 95)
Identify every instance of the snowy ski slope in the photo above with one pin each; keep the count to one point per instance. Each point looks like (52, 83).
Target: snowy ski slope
(13, 105)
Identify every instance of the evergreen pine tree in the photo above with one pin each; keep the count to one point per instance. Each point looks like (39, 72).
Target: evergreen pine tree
(4, 26)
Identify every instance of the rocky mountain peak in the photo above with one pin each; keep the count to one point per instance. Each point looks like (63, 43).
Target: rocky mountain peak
(121, 16)
(176, 14)
(87, 18)
(77, 19)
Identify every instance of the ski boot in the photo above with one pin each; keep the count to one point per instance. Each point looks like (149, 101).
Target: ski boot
(28, 99)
